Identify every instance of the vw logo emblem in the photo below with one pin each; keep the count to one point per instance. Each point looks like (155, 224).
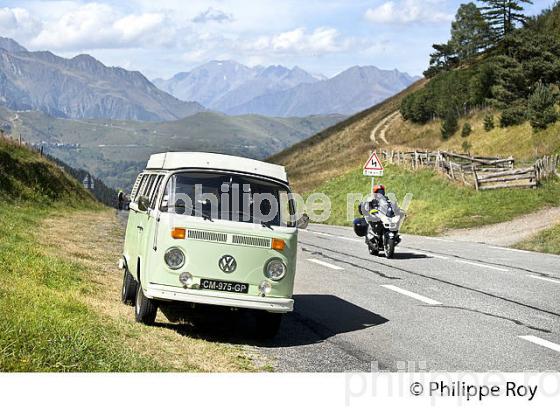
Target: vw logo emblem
(227, 263)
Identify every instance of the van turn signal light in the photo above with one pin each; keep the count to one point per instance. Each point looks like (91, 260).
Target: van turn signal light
(179, 233)
(278, 244)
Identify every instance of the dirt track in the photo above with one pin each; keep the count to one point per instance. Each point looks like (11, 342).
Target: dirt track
(511, 232)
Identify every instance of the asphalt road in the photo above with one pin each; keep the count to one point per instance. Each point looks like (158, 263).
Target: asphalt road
(439, 305)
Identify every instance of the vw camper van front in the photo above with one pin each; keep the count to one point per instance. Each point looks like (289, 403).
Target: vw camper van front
(211, 229)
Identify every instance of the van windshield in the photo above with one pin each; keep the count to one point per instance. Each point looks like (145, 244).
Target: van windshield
(212, 195)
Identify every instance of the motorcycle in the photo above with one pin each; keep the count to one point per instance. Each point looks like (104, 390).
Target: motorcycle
(380, 225)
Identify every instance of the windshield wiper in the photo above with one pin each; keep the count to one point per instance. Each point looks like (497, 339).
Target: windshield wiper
(206, 216)
(267, 224)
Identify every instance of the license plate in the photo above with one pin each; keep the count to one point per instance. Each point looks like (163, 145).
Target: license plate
(224, 286)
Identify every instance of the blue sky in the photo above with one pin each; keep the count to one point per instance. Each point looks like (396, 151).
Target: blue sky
(161, 38)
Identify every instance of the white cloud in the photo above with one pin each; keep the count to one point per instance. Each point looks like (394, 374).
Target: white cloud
(319, 41)
(408, 11)
(97, 25)
(18, 21)
(211, 14)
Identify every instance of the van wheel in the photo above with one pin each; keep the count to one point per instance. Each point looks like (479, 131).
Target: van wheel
(268, 324)
(145, 310)
(129, 289)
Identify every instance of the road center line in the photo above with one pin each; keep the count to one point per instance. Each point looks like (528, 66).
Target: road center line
(328, 265)
(481, 265)
(412, 295)
(541, 342)
(543, 278)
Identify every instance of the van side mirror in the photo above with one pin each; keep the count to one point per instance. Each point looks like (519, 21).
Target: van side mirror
(143, 203)
(303, 222)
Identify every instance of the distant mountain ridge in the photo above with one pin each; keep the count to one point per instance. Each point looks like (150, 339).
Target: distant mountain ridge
(234, 88)
(82, 87)
(222, 85)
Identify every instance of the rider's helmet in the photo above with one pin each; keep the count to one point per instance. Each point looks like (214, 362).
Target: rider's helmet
(379, 189)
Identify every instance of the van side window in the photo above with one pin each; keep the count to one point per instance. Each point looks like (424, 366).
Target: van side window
(136, 186)
(147, 187)
(141, 187)
(155, 192)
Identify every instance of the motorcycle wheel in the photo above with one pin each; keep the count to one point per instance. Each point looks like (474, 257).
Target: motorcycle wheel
(389, 248)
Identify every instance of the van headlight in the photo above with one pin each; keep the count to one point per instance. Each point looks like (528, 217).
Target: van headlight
(174, 258)
(275, 269)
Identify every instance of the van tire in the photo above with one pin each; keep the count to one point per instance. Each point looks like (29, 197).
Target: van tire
(268, 324)
(129, 289)
(145, 310)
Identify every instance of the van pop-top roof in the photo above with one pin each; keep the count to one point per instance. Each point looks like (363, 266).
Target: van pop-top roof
(206, 160)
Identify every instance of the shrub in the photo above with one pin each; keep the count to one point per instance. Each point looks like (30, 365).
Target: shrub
(466, 131)
(449, 125)
(513, 115)
(542, 107)
(466, 146)
(488, 122)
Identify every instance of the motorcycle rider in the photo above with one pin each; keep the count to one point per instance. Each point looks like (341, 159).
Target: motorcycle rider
(372, 202)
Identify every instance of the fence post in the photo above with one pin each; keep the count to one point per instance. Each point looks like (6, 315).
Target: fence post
(475, 176)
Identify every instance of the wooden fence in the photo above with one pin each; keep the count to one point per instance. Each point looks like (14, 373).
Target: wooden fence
(481, 173)
(547, 166)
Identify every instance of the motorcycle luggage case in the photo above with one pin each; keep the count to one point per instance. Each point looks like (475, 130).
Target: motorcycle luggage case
(360, 226)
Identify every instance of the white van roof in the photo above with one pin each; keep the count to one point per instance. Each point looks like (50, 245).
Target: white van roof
(207, 160)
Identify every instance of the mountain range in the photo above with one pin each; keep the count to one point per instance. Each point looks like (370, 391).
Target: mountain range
(234, 88)
(81, 87)
(116, 150)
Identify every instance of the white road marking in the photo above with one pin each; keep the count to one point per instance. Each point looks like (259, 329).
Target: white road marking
(509, 249)
(541, 342)
(328, 265)
(438, 239)
(322, 234)
(543, 278)
(328, 235)
(412, 295)
(481, 265)
(349, 239)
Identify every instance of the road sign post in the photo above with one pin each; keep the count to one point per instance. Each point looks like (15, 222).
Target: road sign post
(373, 168)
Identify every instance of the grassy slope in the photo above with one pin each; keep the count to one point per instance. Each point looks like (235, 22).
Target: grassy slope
(547, 241)
(519, 141)
(439, 204)
(58, 286)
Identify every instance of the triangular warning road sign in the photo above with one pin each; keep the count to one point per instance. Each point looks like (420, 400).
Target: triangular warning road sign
(373, 163)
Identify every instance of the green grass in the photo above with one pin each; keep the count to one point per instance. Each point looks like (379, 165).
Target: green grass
(547, 241)
(59, 287)
(439, 204)
(44, 325)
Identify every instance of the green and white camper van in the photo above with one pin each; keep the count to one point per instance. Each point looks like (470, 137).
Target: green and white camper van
(211, 229)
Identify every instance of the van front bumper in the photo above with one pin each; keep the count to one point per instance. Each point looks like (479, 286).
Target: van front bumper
(208, 297)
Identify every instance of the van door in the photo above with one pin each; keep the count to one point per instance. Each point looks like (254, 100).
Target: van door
(136, 226)
(145, 225)
(147, 242)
